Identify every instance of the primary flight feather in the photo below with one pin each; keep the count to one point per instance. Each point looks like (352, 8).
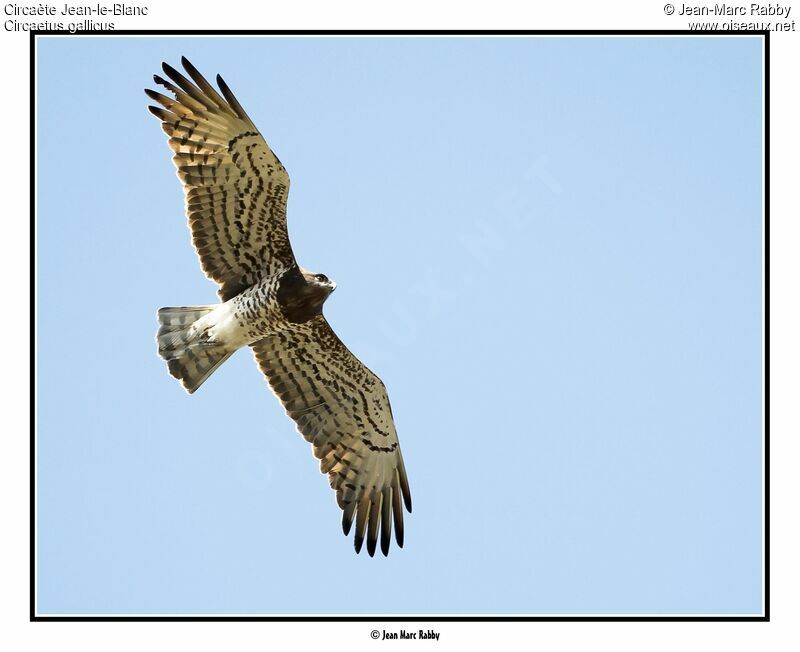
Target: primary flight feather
(236, 191)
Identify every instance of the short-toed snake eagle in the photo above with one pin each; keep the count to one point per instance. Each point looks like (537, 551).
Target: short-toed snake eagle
(236, 192)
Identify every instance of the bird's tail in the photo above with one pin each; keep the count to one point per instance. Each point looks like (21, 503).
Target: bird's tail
(190, 356)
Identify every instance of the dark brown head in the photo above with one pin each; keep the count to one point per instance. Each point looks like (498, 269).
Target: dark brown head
(320, 282)
(302, 293)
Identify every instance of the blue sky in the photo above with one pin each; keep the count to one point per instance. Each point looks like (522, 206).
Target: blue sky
(548, 248)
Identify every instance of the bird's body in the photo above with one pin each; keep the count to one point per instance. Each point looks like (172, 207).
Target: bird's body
(270, 307)
(236, 192)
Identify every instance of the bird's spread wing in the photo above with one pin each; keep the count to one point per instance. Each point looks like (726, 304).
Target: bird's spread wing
(236, 188)
(342, 408)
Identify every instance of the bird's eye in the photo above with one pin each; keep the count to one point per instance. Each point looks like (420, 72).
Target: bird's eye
(321, 277)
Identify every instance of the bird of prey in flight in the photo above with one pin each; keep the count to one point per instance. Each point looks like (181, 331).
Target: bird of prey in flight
(236, 191)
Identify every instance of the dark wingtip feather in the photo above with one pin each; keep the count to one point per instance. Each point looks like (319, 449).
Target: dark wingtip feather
(406, 497)
(406, 492)
(176, 76)
(386, 521)
(403, 478)
(397, 511)
(361, 523)
(194, 73)
(347, 520)
(206, 88)
(158, 112)
(158, 79)
(373, 525)
(231, 98)
(223, 87)
(204, 95)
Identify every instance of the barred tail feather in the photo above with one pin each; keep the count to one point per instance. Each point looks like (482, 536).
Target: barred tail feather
(190, 358)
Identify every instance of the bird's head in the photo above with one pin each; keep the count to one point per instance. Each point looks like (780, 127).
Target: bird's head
(301, 293)
(319, 282)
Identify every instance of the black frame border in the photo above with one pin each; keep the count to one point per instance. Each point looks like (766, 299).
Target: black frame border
(34, 617)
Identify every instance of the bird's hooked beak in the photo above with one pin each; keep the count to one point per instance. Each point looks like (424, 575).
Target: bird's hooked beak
(332, 285)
